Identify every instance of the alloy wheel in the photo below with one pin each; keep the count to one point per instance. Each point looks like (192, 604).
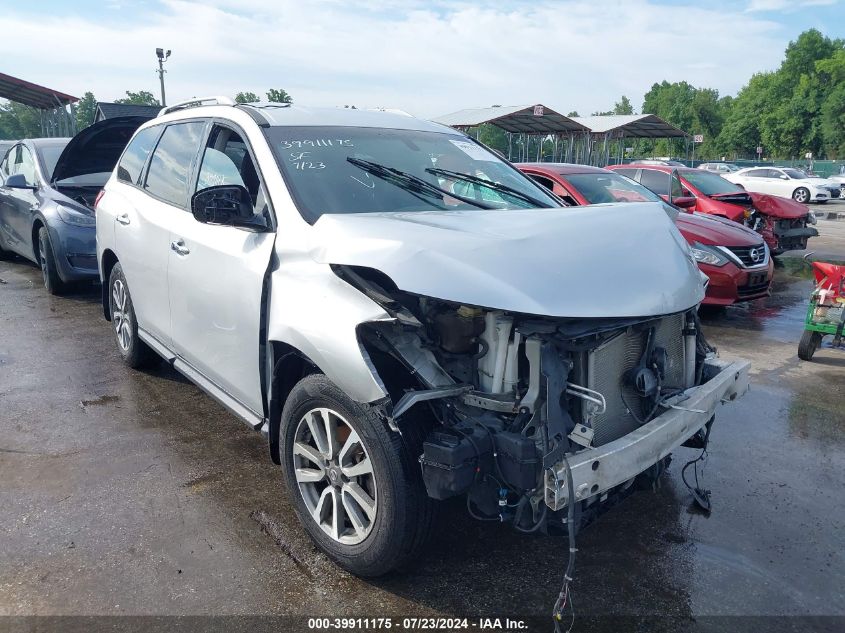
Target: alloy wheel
(335, 476)
(802, 196)
(120, 315)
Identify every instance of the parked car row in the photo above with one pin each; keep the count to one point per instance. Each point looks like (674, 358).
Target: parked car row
(735, 259)
(407, 317)
(784, 223)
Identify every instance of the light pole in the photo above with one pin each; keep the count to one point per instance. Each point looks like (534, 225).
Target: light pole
(162, 57)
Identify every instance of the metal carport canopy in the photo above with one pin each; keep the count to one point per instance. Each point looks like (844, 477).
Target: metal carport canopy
(631, 125)
(522, 119)
(31, 94)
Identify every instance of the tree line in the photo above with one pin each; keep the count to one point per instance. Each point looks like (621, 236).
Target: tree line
(20, 121)
(798, 108)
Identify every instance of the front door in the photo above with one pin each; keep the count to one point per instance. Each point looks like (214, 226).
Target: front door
(216, 278)
(19, 205)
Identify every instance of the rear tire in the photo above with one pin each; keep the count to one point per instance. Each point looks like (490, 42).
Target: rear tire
(135, 353)
(810, 342)
(802, 195)
(47, 260)
(396, 525)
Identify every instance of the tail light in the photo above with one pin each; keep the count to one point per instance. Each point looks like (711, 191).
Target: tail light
(99, 197)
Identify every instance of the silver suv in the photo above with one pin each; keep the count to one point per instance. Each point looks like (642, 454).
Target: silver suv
(406, 316)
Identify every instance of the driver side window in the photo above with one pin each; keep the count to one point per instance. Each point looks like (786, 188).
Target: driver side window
(226, 161)
(25, 165)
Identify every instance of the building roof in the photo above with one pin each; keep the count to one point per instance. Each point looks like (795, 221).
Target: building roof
(529, 119)
(28, 93)
(106, 110)
(631, 125)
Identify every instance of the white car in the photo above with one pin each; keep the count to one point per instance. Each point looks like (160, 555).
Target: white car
(787, 182)
(720, 168)
(402, 328)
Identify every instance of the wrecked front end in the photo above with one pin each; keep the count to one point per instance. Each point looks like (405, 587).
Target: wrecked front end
(511, 404)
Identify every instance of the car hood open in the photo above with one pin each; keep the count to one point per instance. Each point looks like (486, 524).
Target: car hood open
(97, 148)
(616, 260)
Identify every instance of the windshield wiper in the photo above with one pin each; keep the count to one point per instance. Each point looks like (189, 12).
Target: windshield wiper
(410, 182)
(495, 186)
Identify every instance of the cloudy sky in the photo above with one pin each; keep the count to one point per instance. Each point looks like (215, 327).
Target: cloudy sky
(427, 57)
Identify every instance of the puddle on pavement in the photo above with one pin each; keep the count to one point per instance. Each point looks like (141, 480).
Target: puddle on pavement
(781, 316)
(99, 401)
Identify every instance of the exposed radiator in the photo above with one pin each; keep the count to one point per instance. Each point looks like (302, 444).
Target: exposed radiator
(607, 364)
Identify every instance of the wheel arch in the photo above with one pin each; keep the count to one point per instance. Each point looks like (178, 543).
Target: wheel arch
(290, 365)
(107, 262)
(36, 227)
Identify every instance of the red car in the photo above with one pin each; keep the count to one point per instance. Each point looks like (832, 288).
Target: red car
(734, 257)
(782, 222)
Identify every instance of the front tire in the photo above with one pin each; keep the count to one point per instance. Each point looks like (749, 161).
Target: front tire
(802, 195)
(356, 486)
(47, 260)
(135, 353)
(810, 342)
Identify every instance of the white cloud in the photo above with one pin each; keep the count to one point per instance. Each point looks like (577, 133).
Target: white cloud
(428, 58)
(787, 6)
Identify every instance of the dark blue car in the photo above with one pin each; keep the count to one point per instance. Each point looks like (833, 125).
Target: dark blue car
(47, 192)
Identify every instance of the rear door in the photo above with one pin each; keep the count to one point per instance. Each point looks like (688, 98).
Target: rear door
(216, 277)
(157, 197)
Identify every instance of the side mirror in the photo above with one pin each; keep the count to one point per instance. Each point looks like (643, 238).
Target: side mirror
(784, 177)
(18, 181)
(226, 205)
(685, 202)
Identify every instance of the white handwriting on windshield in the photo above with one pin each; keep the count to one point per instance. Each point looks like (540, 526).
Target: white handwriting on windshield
(319, 142)
(299, 161)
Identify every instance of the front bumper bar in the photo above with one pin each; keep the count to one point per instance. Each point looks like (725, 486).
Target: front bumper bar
(596, 470)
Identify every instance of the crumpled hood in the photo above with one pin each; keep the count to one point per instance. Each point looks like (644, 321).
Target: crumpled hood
(616, 260)
(778, 207)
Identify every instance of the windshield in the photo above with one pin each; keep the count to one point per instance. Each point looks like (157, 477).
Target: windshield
(795, 174)
(598, 188)
(369, 170)
(50, 156)
(709, 183)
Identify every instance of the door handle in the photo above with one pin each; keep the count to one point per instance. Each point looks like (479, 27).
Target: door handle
(123, 219)
(179, 247)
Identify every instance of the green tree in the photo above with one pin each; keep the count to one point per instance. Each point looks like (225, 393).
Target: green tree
(85, 109)
(623, 106)
(831, 72)
(19, 121)
(142, 97)
(573, 113)
(246, 97)
(277, 95)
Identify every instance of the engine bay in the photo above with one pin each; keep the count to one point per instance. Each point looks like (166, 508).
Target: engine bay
(504, 397)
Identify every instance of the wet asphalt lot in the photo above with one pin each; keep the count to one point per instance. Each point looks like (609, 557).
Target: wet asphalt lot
(127, 493)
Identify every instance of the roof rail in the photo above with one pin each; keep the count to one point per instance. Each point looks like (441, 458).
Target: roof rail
(196, 102)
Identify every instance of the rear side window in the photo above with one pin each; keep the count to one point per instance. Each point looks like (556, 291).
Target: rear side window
(657, 181)
(630, 173)
(170, 165)
(133, 159)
